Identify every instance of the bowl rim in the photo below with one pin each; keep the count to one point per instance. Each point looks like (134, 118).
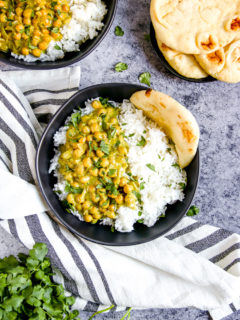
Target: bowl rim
(60, 63)
(167, 65)
(52, 209)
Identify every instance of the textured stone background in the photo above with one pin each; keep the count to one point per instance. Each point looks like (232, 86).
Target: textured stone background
(216, 107)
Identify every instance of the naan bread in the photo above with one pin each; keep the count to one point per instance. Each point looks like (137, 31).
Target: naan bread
(223, 64)
(184, 64)
(178, 122)
(196, 26)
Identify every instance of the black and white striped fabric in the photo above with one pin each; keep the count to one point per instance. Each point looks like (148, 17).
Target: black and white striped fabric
(193, 265)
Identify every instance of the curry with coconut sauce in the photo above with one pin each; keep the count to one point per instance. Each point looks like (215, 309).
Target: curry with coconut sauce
(94, 164)
(28, 26)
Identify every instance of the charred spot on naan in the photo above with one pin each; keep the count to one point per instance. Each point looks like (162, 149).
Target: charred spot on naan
(216, 57)
(186, 132)
(207, 42)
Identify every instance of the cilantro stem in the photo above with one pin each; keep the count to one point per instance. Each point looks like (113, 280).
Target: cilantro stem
(101, 311)
(127, 314)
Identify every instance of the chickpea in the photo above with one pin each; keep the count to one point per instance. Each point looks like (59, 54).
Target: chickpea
(91, 188)
(88, 218)
(25, 36)
(95, 159)
(43, 45)
(27, 21)
(3, 18)
(98, 136)
(94, 172)
(86, 205)
(80, 198)
(68, 177)
(113, 121)
(128, 188)
(57, 23)
(119, 199)
(19, 27)
(96, 104)
(65, 7)
(45, 32)
(70, 198)
(17, 36)
(86, 129)
(104, 204)
(2, 4)
(111, 207)
(110, 214)
(94, 127)
(57, 7)
(36, 52)
(123, 181)
(122, 150)
(47, 38)
(35, 41)
(79, 169)
(75, 184)
(101, 112)
(84, 179)
(94, 210)
(89, 138)
(37, 33)
(79, 207)
(27, 13)
(95, 197)
(102, 172)
(130, 200)
(77, 153)
(19, 11)
(99, 153)
(75, 145)
(104, 162)
(56, 36)
(82, 140)
(66, 155)
(87, 162)
(25, 51)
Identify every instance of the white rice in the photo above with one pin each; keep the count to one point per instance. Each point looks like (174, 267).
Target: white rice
(86, 22)
(161, 187)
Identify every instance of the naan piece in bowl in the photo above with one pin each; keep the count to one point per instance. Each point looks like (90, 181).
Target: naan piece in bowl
(178, 122)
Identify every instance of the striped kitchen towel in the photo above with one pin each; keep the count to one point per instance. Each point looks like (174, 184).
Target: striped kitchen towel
(193, 265)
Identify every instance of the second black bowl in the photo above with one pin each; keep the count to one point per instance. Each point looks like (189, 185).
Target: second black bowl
(95, 232)
(167, 65)
(70, 57)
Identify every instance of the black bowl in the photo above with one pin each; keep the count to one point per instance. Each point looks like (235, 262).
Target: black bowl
(98, 233)
(167, 65)
(70, 57)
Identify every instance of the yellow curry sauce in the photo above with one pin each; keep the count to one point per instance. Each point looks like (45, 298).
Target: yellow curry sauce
(28, 26)
(94, 163)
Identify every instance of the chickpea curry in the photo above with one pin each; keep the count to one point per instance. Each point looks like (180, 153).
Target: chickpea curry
(28, 26)
(94, 164)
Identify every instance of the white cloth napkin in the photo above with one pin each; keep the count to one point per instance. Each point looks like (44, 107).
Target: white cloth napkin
(194, 265)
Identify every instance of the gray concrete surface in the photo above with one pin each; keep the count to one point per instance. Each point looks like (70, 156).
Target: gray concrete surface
(216, 107)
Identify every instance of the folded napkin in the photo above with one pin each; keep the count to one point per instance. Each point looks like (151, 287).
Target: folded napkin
(194, 265)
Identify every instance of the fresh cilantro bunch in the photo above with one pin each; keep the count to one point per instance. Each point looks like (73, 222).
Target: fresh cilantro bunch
(27, 290)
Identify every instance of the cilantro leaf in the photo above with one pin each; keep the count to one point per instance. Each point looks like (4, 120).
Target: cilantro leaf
(121, 66)
(193, 211)
(74, 190)
(104, 147)
(151, 167)
(76, 118)
(112, 171)
(141, 186)
(182, 185)
(145, 78)
(118, 31)
(57, 47)
(142, 142)
(39, 251)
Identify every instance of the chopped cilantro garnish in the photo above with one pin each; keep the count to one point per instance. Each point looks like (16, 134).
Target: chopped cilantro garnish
(70, 189)
(76, 118)
(124, 124)
(111, 132)
(139, 213)
(55, 30)
(57, 47)
(112, 229)
(182, 185)
(112, 171)
(145, 78)
(176, 165)
(131, 135)
(121, 66)
(118, 31)
(142, 142)
(140, 221)
(104, 147)
(151, 166)
(193, 211)
(141, 186)
(117, 143)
